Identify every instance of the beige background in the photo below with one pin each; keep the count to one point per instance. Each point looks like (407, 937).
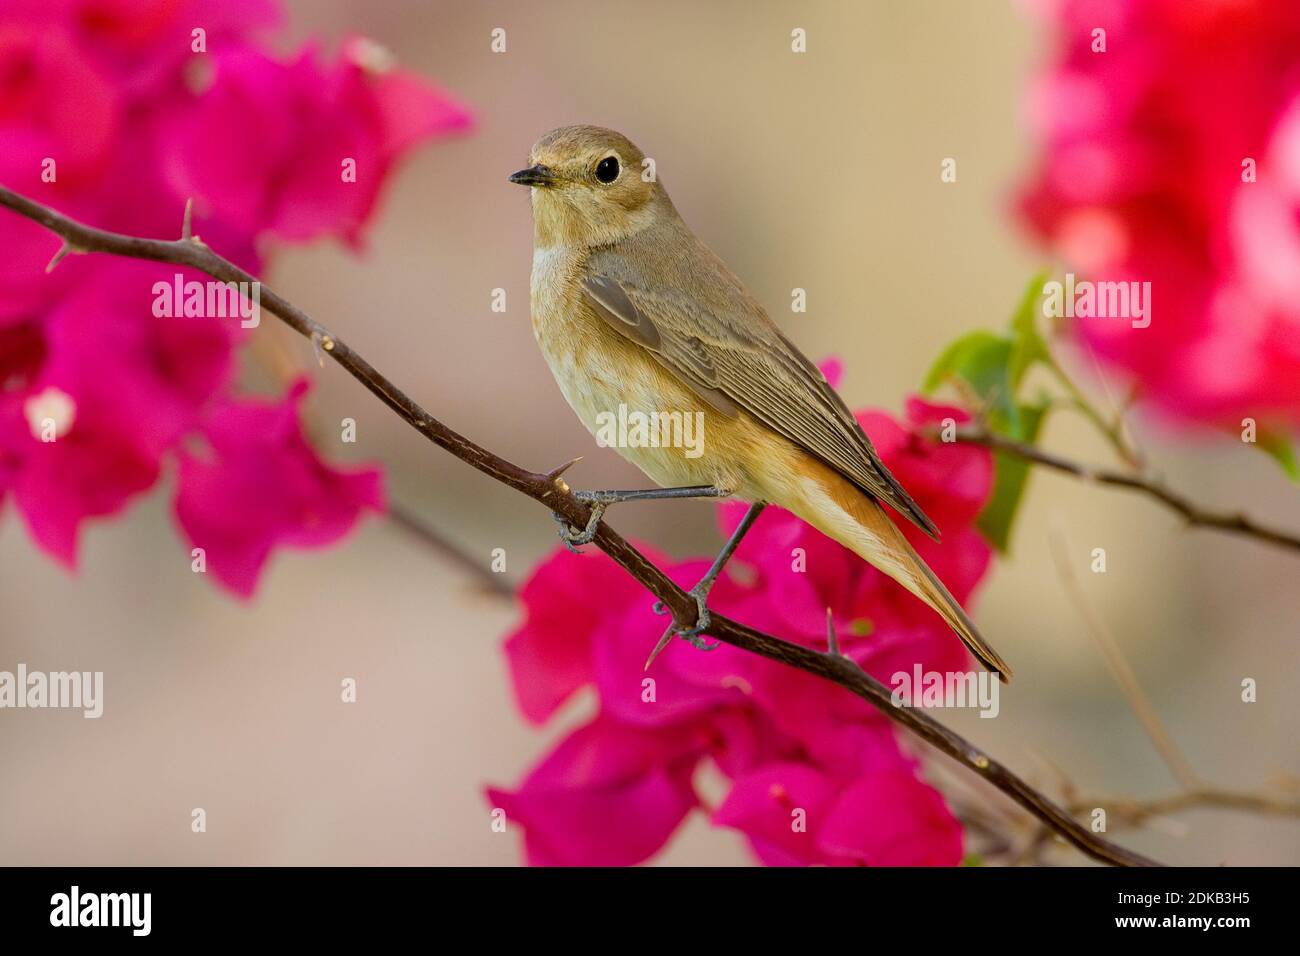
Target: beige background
(818, 171)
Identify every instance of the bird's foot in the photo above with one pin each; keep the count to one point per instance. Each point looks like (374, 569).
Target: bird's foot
(701, 591)
(573, 538)
(691, 634)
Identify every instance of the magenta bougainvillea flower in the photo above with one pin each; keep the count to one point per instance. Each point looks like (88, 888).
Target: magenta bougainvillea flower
(327, 138)
(817, 776)
(131, 386)
(117, 112)
(258, 485)
(1171, 155)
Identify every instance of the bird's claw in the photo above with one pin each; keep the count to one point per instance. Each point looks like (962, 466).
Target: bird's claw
(702, 619)
(572, 538)
(601, 500)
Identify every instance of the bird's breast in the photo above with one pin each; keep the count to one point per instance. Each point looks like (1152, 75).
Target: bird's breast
(612, 383)
(595, 368)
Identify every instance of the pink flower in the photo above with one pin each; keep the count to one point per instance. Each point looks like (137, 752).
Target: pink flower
(891, 819)
(762, 724)
(132, 383)
(103, 106)
(55, 106)
(263, 486)
(1171, 158)
(567, 601)
(609, 795)
(144, 43)
(84, 468)
(686, 690)
(794, 815)
(326, 139)
(772, 807)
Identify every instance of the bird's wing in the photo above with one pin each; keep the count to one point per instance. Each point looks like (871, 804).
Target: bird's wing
(727, 347)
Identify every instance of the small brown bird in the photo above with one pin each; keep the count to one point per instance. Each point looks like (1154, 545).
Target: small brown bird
(633, 312)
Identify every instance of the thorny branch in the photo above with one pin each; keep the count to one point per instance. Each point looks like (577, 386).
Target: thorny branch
(286, 365)
(1233, 522)
(550, 491)
(1282, 799)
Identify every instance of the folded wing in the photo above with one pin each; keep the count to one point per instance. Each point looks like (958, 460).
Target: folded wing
(723, 345)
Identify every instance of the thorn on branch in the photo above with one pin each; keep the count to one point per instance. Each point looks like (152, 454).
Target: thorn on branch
(554, 473)
(65, 250)
(553, 476)
(321, 342)
(1232, 522)
(664, 640)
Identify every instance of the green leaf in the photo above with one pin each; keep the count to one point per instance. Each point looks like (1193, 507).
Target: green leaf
(1277, 445)
(972, 859)
(1028, 344)
(1010, 474)
(993, 366)
(955, 357)
(982, 360)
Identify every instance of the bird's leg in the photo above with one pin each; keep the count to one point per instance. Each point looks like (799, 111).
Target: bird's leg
(701, 590)
(600, 500)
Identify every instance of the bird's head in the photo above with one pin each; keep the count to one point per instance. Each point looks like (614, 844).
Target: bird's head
(591, 187)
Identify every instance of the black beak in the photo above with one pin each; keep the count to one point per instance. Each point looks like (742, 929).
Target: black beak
(538, 175)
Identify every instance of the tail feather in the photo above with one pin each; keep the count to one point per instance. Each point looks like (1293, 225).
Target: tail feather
(939, 598)
(832, 505)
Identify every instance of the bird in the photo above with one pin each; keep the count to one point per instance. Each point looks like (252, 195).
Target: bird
(632, 310)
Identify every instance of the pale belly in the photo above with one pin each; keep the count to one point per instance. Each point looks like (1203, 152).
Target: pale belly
(630, 403)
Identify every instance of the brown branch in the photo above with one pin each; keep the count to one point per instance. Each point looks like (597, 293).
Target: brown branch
(1233, 522)
(1022, 840)
(1127, 811)
(1130, 812)
(550, 491)
(285, 365)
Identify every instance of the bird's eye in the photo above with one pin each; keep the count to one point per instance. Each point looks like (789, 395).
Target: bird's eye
(607, 170)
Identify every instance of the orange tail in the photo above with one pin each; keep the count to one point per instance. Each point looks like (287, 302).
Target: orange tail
(838, 509)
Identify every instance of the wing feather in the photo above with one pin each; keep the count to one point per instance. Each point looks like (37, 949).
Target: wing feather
(731, 354)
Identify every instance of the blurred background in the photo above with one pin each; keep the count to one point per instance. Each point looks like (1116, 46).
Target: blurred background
(818, 171)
